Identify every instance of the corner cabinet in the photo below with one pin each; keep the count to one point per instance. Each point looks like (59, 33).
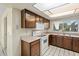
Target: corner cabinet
(29, 19)
(52, 39)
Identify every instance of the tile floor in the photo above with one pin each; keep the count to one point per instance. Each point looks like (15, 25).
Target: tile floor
(56, 51)
(52, 51)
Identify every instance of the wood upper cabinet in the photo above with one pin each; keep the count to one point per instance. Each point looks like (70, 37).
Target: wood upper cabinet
(75, 44)
(30, 49)
(37, 18)
(67, 42)
(29, 19)
(23, 16)
(59, 41)
(46, 23)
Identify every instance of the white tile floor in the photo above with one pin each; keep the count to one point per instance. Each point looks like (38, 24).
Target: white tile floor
(53, 51)
(56, 51)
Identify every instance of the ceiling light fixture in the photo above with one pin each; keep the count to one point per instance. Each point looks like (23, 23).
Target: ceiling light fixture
(62, 14)
(47, 6)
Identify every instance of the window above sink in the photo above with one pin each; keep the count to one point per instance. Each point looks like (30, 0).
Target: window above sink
(66, 26)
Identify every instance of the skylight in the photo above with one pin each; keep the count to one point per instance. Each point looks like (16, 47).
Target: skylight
(47, 6)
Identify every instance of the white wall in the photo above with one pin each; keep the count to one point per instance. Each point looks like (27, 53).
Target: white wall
(0, 30)
(7, 14)
(16, 20)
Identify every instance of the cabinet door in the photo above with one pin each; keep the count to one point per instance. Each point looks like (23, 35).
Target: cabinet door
(76, 44)
(50, 39)
(59, 41)
(47, 23)
(67, 42)
(37, 18)
(30, 20)
(35, 48)
(25, 48)
(53, 40)
(41, 19)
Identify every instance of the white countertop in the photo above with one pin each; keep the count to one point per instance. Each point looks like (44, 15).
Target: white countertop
(29, 39)
(64, 34)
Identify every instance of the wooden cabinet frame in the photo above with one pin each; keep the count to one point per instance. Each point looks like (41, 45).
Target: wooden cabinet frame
(32, 24)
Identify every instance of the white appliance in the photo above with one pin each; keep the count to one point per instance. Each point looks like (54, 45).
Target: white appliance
(43, 41)
(43, 45)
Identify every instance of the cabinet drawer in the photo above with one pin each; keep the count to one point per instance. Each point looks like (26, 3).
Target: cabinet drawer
(35, 42)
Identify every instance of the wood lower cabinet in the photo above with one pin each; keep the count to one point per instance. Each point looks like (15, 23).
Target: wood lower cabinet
(67, 42)
(30, 49)
(56, 40)
(59, 41)
(52, 40)
(76, 44)
(70, 43)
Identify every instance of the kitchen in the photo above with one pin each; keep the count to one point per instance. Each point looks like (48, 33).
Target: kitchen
(38, 29)
(61, 38)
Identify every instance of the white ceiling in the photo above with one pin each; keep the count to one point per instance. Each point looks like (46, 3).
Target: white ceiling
(30, 7)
